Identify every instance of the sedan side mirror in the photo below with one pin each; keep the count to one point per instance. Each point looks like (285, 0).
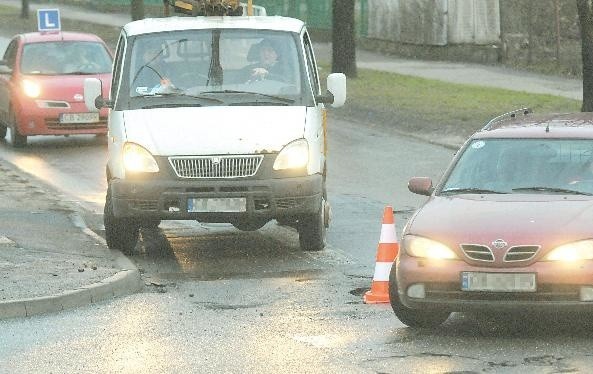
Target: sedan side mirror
(421, 186)
(4, 68)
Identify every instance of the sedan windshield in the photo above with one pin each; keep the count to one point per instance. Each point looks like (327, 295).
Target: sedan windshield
(252, 67)
(532, 166)
(65, 58)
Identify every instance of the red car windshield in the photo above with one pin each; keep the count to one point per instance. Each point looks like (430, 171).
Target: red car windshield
(524, 166)
(65, 57)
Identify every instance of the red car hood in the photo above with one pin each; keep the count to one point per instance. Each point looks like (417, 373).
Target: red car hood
(546, 220)
(65, 87)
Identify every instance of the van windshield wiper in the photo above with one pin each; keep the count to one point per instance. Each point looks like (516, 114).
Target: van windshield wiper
(551, 189)
(182, 94)
(280, 98)
(470, 190)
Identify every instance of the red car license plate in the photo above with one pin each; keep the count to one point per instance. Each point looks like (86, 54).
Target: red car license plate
(498, 282)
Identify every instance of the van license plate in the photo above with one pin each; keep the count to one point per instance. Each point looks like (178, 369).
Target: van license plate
(217, 205)
(90, 117)
(498, 282)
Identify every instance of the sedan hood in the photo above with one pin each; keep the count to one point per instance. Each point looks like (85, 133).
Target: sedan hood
(546, 220)
(67, 87)
(215, 130)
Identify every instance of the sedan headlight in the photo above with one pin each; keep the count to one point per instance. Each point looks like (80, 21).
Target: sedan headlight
(137, 159)
(417, 246)
(30, 88)
(576, 251)
(293, 156)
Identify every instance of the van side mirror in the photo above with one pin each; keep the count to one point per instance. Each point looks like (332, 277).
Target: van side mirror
(421, 186)
(336, 90)
(93, 95)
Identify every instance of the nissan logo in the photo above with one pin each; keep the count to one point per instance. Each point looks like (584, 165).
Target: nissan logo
(499, 243)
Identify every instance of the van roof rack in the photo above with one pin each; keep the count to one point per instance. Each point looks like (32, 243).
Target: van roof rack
(509, 115)
(204, 7)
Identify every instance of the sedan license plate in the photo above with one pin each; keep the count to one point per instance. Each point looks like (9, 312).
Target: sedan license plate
(217, 205)
(79, 117)
(498, 282)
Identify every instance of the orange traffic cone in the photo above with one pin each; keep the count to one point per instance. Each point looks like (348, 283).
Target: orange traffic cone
(386, 254)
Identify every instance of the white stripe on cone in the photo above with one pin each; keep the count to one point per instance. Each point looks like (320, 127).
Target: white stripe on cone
(388, 234)
(382, 270)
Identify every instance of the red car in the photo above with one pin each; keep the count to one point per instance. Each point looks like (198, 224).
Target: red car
(41, 85)
(509, 227)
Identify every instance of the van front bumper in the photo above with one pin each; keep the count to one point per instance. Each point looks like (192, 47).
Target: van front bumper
(264, 199)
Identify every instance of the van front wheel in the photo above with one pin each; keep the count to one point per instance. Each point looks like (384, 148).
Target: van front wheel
(312, 229)
(120, 233)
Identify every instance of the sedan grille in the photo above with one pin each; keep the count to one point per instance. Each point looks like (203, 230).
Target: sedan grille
(216, 166)
(477, 252)
(521, 253)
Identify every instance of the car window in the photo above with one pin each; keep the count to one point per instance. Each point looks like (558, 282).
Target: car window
(68, 57)
(506, 165)
(10, 53)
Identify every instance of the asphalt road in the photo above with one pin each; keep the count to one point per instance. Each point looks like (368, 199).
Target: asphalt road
(220, 300)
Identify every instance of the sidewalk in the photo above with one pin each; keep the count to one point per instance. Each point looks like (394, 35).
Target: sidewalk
(49, 260)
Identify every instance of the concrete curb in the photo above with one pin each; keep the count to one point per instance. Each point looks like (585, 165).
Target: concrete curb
(124, 282)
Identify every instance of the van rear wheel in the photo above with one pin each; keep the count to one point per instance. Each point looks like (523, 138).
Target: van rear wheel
(120, 233)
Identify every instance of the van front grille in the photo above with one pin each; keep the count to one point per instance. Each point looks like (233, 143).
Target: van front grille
(216, 166)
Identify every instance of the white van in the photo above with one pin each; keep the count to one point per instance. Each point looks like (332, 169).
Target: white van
(220, 133)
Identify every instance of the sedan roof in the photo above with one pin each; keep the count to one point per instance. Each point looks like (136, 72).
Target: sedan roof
(40, 37)
(566, 125)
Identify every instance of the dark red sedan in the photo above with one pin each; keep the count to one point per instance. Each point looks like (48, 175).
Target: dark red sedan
(41, 85)
(509, 227)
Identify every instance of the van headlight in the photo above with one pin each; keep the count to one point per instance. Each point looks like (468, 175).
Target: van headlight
(581, 250)
(31, 88)
(138, 160)
(294, 155)
(418, 246)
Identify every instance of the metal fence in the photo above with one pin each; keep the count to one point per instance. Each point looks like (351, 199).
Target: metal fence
(316, 13)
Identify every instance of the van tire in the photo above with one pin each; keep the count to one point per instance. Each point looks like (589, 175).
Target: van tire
(120, 233)
(312, 229)
(2, 131)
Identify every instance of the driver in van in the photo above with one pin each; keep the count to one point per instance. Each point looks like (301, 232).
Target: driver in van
(268, 65)
(152, 75)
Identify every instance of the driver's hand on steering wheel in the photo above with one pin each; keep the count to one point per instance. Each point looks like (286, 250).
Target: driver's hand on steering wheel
(259, 74)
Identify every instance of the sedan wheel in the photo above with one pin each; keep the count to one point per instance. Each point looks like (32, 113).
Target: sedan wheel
(17, 140)
(413, 317)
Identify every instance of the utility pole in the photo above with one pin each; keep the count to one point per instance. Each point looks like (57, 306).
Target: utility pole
(137, 9)
(343, 38)
(585, 9)
(24, 8)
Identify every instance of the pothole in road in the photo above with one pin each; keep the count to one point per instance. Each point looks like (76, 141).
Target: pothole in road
(359, 291)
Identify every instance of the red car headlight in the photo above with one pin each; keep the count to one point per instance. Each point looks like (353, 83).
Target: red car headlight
(31, 88)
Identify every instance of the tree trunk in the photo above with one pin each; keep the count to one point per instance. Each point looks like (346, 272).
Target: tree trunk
(585, 9)
(24, 8)
(137, 9)
(343, 38)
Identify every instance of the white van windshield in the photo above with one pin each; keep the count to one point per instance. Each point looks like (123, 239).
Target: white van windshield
(207, 62)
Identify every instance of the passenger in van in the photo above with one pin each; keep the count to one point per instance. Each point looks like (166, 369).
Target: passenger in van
(267, 66)
(152, 74)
